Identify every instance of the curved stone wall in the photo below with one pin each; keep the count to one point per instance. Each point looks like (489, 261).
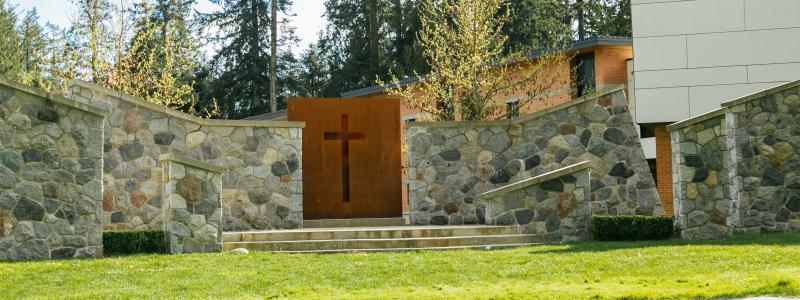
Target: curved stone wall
(452, 162)
(262, 184)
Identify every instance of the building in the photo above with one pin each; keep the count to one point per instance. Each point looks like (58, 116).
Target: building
(600, 63)
(691, 56)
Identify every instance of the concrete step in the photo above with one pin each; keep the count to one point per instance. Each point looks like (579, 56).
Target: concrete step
(476, 247)
(386, 243)
(391, 232)
(363, 222)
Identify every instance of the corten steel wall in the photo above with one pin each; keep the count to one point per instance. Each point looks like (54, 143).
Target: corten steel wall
(760, 156)
(262, 184)
(50, 176)
(452, 162)
(373, 130)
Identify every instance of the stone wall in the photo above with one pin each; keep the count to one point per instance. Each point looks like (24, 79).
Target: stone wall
(554, 206)
(701, 177)
(50, 176)
(193, 206)
(761, 156)
(451, 163)
(262, 184)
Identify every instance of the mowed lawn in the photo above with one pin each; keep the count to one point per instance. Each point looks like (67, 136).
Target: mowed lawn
(741, 266)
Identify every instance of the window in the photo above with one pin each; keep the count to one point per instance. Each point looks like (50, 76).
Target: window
(513, 109)
(584, 74)
(646, 132)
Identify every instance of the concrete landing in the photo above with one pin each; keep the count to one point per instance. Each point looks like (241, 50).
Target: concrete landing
(380, 238)
(362, 222)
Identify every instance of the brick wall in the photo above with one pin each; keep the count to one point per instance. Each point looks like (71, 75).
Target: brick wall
(664, 167)
(611, 65)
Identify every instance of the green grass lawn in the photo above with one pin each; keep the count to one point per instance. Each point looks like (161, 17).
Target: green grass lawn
(741, 266)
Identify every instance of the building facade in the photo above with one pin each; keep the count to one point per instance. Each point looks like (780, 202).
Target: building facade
(690, 56)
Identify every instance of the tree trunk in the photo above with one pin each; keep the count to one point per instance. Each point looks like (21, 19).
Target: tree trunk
(255, 50)
(372, 13)
(580, 9)
(92, 16)
(273, 58)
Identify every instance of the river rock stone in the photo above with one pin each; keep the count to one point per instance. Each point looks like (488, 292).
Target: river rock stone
(28, 210)
(190, 188)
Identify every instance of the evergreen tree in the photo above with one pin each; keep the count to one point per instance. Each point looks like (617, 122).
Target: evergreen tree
(10, 51)
(313, 73)
(153, 64)
(92, 27)
(33, 50)
(240, 69)
(538, 24)
(62, 59)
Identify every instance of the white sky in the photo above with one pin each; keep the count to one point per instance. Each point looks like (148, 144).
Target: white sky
(308, 19)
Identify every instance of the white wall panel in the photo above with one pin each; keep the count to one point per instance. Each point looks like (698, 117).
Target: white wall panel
(707, 98)
(774, 72)
(687, 17)
(744, 48)
(771, 14)
(662, 105)
(691, 77)
(658, 53)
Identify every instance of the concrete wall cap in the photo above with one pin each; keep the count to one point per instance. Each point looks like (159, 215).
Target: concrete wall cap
(536, 180)
(97, 108)
(191, 162)
(521, 119)
(181, 115)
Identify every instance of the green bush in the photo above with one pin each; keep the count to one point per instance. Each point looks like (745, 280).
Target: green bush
(631, 228)
(133, 242)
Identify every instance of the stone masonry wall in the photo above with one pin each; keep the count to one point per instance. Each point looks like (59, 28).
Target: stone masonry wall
(262, 184)
(50, 175)
(193, 207)
(554, 206)
(765, 135)
(753, 143)
(451, 163)
(702, 178)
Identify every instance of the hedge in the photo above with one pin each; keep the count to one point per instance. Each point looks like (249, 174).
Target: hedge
(133, 242)
(631, 228)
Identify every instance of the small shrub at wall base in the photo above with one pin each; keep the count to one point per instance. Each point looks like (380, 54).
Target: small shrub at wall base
(133, 242)
(631, 228)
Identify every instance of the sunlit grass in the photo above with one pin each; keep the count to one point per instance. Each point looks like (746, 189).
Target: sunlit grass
(741, 266)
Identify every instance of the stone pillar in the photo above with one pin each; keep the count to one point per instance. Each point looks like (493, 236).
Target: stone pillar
(192, 211)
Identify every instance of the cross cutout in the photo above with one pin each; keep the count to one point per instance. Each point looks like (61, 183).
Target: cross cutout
(345, 136)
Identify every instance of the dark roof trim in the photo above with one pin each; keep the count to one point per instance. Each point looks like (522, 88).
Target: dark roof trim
(584, 44)
(267, 116)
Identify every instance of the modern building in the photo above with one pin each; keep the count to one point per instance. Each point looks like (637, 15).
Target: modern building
(692, 55)
(597, 63)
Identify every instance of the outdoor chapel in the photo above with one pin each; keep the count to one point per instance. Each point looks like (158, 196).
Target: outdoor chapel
(399, 149)
(102, 161)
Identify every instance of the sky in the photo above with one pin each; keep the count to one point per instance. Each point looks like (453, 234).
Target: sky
(308, 15)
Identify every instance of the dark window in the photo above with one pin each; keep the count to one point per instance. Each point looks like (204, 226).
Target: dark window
(411, 120)
(584, 74)
(646, 132)
(513, 109)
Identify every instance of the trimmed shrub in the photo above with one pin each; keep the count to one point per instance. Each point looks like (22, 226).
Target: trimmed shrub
(631, 228)
(133, 242)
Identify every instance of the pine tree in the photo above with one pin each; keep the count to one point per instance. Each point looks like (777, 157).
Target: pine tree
(33, 50)
(92, 26)
(153, 64)
(10, 51)
(240, 69)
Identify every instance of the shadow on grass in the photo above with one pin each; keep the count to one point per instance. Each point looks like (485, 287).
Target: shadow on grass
(767, 239)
